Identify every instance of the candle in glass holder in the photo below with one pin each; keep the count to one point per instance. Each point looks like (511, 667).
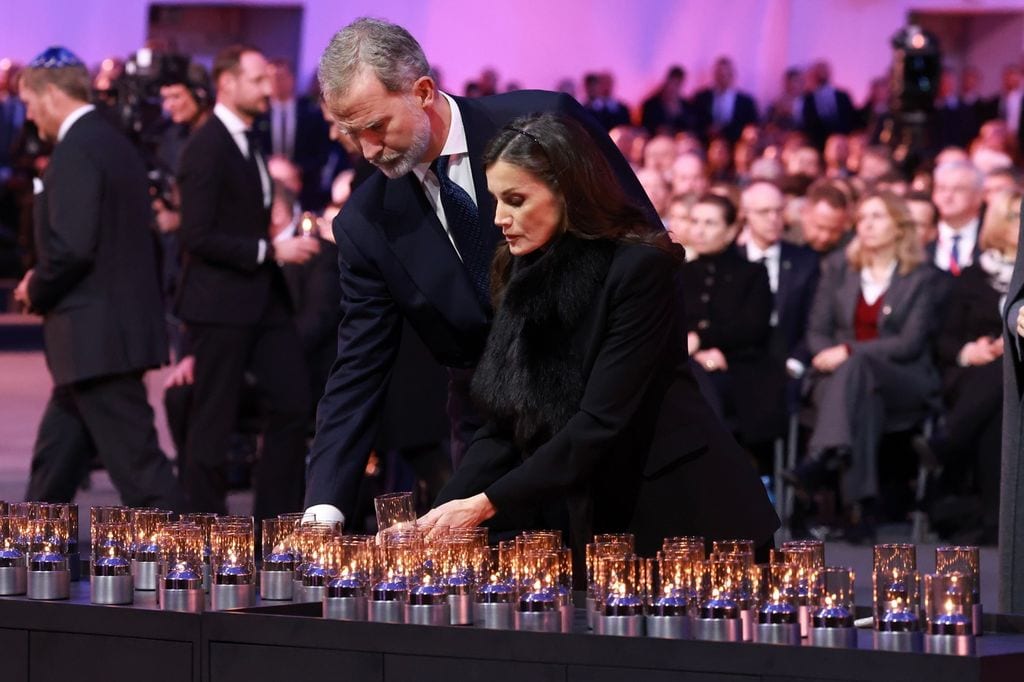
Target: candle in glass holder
(231, 565)
(110, 577)
(180, 583)
(48, 576)
(832, 625)
(400, 560)
(620, 593)
(13, 550)
(204, 521)
(777, 622)
(948, 603)
(145, 551)
(277, 573)
(672, 593)
(350, 560)
(967, 561)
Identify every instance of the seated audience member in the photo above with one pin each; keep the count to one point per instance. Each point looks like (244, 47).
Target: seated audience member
(875, 162)
(826, 109)
(657, 190)
(868, 333)
(804, 160)
(837, 154)
(666, 112)
(825, 218)
(659, 154)
(689, 175)
(786, 112)
(958, 194)
(792, 273)
(926, 217)
(582, 357)
(875, 117)
(631, 142)
(951, 154)
(894, 182)
(969, 354)
(680, 208)
(720, 166)
(601, 102)
(1005, 180)
(721, 109)
(728, 307)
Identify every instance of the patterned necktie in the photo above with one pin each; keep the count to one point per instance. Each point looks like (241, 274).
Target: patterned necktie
(255, 152)
(954, 256)
(464, 224)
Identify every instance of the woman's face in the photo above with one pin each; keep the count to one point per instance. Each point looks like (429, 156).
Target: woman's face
(876, 229)
(527, 212)
(708, 231)
(679, 223)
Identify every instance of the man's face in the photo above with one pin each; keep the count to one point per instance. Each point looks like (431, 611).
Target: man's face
(824, 225)
(391, 128)
(924, 221)
(723, 74)
(282, 82)
(179, 103)
(957, 195)
(248, 87)
(688, 176)
(41, 109)
(763, 206)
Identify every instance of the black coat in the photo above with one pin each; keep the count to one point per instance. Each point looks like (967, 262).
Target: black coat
(590, 401)
(222, 221)
(817, 128)
(658, 121)
(96, 280)
(972, 311)
(744, 112)
(398, 265)
(798, 281)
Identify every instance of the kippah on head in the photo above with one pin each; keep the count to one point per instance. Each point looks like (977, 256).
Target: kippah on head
(55, 57)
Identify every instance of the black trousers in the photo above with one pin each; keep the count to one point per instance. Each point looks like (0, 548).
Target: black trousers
(111, 418)
(272, 351)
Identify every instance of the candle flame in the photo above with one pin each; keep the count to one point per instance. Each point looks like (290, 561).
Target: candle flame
(536, 585)
(232, 557)
(494, 578)
(714, 593)
(775, 595)
(110, 551)
(949, 607)
(426, 579)
(829, 600)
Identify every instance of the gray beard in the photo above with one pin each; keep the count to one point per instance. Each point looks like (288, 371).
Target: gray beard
(401, 164)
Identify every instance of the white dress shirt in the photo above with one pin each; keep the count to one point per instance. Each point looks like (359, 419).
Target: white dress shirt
(873, 289)
(237, 128)
(771, 258)
(456, 147)
(964, 248)
(282, 127)
(722, 106)
(1011, 109)
(71, 119)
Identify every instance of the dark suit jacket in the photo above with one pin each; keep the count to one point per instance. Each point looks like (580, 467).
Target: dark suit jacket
(96, 281)
(643, 444)
(396, 262)
(972, 311)
(222, 221)
(817, 128)
(744, 112)
(608, 112)
(954, 124)
(1011, 511)
(657, 120)
(798, 281)
(904, 319)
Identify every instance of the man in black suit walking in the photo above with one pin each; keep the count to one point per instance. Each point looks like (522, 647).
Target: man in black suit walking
(415, 240)
(95, 283)
(233, 298)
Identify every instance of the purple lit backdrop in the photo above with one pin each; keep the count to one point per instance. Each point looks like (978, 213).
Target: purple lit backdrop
(538, 42)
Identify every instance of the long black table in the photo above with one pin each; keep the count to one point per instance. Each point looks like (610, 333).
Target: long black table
(44, 641)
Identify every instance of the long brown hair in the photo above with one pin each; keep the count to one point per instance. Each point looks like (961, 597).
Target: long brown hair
(559, 152)
(909, 253)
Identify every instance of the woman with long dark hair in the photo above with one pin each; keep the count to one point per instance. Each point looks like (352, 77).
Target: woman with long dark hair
(594, 422)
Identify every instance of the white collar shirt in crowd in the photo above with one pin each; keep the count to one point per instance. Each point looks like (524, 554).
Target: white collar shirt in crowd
(282, 127)
(825, 102)
(71, 119)
(1011, 109)
(456, 147)
(237, 128)
(965, 246)
(872, 289)
(771, 258)
(723, 106)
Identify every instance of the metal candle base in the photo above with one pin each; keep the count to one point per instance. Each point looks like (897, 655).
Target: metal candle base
(950, 645)
(834, 638)
(380, 611)
(145, 573)
(461, 608)
(428, 614)
(297, 593)
(187, 601)
(977, 613)
(539, 621)
(804, 615)
(718, 629)
(345, 608)
(228, 597)
(669, 627)
(567, 615)
(911, 642)
(48, 585)
(777, 633)
(619, 626)
(591, 612)
(748, 619)
(276, 585)
(74, 562)
(494, 616)
(111, 589)
(13, 580)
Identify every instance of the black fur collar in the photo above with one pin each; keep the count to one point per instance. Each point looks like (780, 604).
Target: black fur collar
(530, 378)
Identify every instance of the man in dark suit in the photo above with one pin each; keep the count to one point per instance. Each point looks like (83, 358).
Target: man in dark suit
(294, 127)
(415, 240)
(96, 286)
(666, 111)
(722, 110)
(954, 122)
(1011, 484)
(601, 102)
(233, 297)
(827, 110)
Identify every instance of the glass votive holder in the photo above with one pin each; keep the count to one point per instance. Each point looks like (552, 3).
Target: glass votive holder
(539, 606)
(778, 621)
(146, 525)
(180, 581)
(897, 606)
(671, 595)
(964, 559)
(48, 576)
(948, 608)
(815, 549)
(622, 590)
(232, 569)
(110, 575)
(395, 509)
(350, 562)
(400, 560)
(310, 545)
(832, 625)
(278, 571)
(719, 616)
(494, 600)
(609, 545)
(13, 552)
(204, 520)
(69, 510)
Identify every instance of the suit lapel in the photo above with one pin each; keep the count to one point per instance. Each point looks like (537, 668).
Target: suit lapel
(480, 128)
(849, 294)
(893, 297)
(417, 238)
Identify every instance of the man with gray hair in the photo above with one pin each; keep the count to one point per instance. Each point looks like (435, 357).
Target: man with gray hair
(958, 193)
(415, 240)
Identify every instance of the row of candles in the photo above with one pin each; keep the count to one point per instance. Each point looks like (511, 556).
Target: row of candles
(408, 573)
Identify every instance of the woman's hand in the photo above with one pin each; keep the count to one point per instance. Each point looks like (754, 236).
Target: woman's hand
(465, 513)
(981, 351)
(692, 343)
(828, 360)
(712, 360)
